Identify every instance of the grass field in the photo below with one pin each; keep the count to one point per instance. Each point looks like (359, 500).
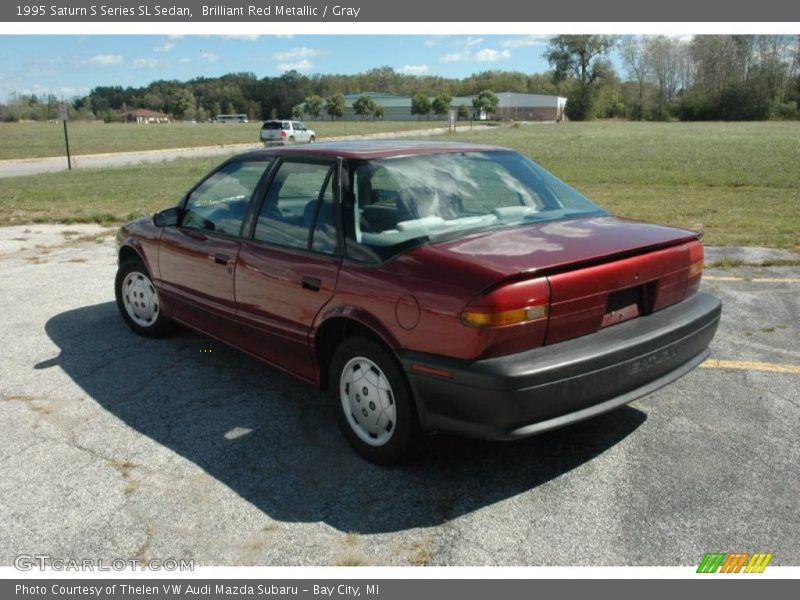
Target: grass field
(739, 183)
(34, 140)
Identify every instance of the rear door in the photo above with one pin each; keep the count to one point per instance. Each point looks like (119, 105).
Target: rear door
(287, 269)
(271, 131)
(197, 259)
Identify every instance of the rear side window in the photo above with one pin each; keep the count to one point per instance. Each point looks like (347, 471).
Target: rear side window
(220, 203)
(298, 209)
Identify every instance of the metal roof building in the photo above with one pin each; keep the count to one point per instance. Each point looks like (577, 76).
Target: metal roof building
(512, 106)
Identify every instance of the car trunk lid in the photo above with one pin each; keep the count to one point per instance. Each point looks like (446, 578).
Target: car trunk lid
(601, 270)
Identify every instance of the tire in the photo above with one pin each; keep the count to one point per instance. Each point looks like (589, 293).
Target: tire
(377, 415)
(291, 139)
(138, 302)
(312, 139)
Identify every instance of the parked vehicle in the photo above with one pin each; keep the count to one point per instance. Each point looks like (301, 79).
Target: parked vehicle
(430, 287)
(278, 133)
(237, 118)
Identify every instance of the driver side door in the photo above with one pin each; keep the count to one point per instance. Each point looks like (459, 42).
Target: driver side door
(197, 259)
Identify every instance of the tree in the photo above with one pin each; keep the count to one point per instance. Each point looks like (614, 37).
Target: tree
(378, 112)
(485, 103)
(583, 59)
(662, 56)
(184, 104)
(334, 106)
(441, 104)
(420, 105)
(313, 105)
(364, 105)
(634, 52)
(463, 112)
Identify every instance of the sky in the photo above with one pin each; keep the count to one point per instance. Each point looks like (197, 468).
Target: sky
(71, 65)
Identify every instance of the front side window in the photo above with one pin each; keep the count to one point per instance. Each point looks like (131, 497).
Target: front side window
(220, 203)
(397, 203)
(298, 209)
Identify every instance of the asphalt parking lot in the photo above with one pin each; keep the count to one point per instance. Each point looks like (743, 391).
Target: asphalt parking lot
(116, 446)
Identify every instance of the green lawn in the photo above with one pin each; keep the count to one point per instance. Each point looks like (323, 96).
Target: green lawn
(99, 195)
(33, 140)
(739, 183)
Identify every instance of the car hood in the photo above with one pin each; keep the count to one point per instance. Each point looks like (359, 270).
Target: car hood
(553, 246)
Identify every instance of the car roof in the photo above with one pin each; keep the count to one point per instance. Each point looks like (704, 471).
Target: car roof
(367, 149)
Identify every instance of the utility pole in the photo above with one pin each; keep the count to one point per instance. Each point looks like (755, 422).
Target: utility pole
(64, 116)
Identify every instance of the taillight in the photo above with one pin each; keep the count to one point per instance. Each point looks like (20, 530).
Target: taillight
(283, 134)
(695, 267)
(509, 304)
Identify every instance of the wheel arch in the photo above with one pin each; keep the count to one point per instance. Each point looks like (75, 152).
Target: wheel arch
(131, 249)
(337, 327)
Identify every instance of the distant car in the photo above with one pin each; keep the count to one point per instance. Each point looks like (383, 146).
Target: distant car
(278, 133)
(431, 287)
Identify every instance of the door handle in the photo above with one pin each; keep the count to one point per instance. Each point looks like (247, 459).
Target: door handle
(221, 259)
(312, 283)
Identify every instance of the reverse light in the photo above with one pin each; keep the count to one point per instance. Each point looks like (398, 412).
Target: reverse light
(510, 304)
(695, 259)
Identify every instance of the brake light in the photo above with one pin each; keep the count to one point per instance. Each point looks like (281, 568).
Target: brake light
(509, 304)
(283, 134)
(695, 268)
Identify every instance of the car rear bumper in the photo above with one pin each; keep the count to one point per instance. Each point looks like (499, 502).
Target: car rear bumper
(523, 394)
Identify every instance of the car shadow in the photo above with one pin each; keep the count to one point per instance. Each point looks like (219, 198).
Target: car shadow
(274, 441)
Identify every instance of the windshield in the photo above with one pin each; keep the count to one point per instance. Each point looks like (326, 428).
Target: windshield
(402, 202)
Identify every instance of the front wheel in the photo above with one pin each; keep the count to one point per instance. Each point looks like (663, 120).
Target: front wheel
(375, 407)
(138, 301)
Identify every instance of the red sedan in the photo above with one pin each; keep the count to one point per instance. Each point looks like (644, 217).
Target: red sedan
(431, 287)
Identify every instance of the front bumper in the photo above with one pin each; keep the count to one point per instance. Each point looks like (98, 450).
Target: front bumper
(523, 394)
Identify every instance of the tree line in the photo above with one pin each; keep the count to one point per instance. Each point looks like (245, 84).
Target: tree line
(270, 97)
(732, 77)
(707, 77)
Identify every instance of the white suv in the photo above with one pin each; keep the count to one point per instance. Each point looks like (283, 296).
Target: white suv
(274, 133)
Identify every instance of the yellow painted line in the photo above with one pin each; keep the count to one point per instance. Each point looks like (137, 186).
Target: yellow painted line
(752, 279)
(747, 365)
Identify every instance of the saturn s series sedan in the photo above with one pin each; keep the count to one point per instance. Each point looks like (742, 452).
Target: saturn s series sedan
(430, 287)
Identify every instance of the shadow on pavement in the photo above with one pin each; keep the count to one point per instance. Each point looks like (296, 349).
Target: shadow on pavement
(274, 441)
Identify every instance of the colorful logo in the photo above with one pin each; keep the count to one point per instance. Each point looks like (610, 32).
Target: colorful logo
(734, 562)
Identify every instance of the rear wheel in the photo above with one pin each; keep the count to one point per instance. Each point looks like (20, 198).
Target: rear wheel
(138, 301)
(291, 139)
(312, 139)
(375, 405)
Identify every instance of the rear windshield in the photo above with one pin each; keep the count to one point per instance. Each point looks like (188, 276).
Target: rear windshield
(275, 125)
(402, 202)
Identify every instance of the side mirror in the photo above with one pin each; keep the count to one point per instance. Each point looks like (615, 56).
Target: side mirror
(166, 218)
